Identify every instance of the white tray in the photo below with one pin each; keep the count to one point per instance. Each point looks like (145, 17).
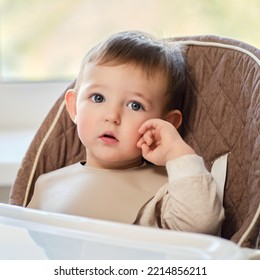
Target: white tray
(34, 234)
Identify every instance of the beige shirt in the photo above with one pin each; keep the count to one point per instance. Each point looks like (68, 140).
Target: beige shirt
(181, 197)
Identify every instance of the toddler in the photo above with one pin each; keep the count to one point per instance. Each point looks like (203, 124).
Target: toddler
(127, 105)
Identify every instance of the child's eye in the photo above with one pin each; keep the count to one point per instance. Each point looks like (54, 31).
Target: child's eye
(97, 98)
(135, 106)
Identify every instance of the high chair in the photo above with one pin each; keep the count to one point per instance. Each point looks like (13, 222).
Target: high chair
(221, 117)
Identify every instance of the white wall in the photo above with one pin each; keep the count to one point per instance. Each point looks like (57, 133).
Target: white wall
(23, 106)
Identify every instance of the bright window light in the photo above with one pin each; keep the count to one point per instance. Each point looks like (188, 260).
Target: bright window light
(46, 40)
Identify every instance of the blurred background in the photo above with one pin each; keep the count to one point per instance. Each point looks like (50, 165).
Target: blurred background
(46, 39)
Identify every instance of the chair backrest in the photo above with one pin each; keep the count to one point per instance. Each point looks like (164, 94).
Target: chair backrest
(221, 115)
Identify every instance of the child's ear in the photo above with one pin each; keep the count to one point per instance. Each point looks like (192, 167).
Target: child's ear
(71, 102)
(174, 117)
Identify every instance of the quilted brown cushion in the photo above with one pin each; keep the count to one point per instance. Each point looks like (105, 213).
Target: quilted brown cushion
(221, 115)
(224, 86)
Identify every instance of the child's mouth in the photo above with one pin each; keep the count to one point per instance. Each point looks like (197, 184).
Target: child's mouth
(108, 138)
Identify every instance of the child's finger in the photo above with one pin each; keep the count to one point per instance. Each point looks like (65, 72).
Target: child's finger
(140, 142)
(148, 137)
(145, 150)
(147, 125)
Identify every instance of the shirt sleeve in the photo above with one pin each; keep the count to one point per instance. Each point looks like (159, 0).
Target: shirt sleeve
(192, 203)
(185, 166)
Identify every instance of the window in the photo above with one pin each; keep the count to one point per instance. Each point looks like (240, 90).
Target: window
(46, 40)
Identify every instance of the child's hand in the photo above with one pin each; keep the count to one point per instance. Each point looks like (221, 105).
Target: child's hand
(161, 142)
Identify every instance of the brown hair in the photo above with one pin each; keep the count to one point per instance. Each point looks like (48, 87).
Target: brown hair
(143, 50)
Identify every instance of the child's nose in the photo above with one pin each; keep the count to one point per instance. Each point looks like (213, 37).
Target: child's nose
(113, 116)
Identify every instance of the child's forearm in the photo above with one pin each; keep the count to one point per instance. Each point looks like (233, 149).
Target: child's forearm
(193, 202)
(185, 166)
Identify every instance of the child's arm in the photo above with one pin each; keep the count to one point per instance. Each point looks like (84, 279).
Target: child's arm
(161, 142)
(191, 202)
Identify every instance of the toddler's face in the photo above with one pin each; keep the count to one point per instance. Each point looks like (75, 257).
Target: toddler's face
(112, 103)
